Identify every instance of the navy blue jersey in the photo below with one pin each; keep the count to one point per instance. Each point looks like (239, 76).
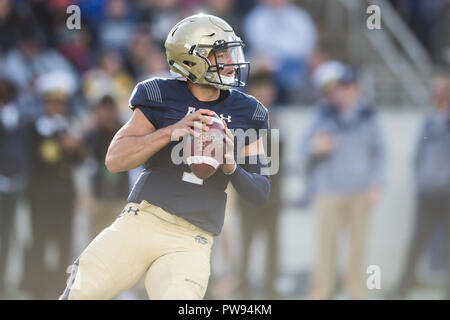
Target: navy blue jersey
(163, 183)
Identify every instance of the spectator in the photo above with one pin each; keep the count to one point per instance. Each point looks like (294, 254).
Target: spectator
(425, 19)
(432, 175)
(93, 11)
(11, 23)
(138, 52)
(344, 143)
(324, 76)
(145, 59)
(287, 35)
(115, 30)
(156, 66)
(77, 48)
(108, 189)
(12, 169)
(53, 151)
(30, 60)
(226, 9)
(161, 16)
(110, 78)
(262, 219)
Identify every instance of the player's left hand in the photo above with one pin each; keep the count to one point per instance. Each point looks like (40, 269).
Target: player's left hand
(229, 162)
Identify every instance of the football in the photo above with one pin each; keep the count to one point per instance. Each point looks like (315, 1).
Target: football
(206, 151)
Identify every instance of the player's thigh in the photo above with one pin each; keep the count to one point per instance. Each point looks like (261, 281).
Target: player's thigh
(112, 263)
(179, 276)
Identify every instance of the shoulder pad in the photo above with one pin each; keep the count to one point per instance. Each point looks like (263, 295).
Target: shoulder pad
(260, 113)
(152, 89)
(146, 93)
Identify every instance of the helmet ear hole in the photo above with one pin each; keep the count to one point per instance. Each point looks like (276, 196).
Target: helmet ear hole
(189, 63)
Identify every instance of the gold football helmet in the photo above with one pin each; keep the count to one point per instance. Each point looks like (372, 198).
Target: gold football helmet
(204, 49)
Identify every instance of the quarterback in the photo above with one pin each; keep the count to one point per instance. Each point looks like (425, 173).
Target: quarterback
(166, 230)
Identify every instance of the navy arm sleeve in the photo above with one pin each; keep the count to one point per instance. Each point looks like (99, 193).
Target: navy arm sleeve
(251, 179)
(251, 184)
(259, 120)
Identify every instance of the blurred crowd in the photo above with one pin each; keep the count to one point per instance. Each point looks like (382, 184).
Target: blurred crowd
(64, 93)
(428, 20)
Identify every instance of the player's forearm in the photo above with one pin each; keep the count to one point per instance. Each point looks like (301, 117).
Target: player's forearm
(250, 181)
(128, 152)
(252, 186)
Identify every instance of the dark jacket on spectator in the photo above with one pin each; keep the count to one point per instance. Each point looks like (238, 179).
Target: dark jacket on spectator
(12, 149)
(432, 159)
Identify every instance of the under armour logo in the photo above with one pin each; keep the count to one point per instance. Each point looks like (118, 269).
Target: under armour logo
(201, 239)
(228, 118)
(134, 210)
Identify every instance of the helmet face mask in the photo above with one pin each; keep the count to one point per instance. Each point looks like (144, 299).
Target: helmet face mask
(204, 49)
(228, 67)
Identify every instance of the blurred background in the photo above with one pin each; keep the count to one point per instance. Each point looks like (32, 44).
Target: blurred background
(364, 122)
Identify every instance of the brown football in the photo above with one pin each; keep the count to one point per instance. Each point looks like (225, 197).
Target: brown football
(207, 150)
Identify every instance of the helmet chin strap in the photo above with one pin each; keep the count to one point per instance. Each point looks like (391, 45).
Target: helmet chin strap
(227, 83)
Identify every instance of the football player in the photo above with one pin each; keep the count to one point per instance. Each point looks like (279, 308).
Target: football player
(166, 230)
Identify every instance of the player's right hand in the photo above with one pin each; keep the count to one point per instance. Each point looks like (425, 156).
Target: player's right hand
(192, 124)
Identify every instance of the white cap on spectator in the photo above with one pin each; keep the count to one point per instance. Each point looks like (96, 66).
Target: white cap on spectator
(328, 74)
(56, 81)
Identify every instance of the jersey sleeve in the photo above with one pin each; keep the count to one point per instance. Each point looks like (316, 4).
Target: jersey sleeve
(147, 97)
(259, 119)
